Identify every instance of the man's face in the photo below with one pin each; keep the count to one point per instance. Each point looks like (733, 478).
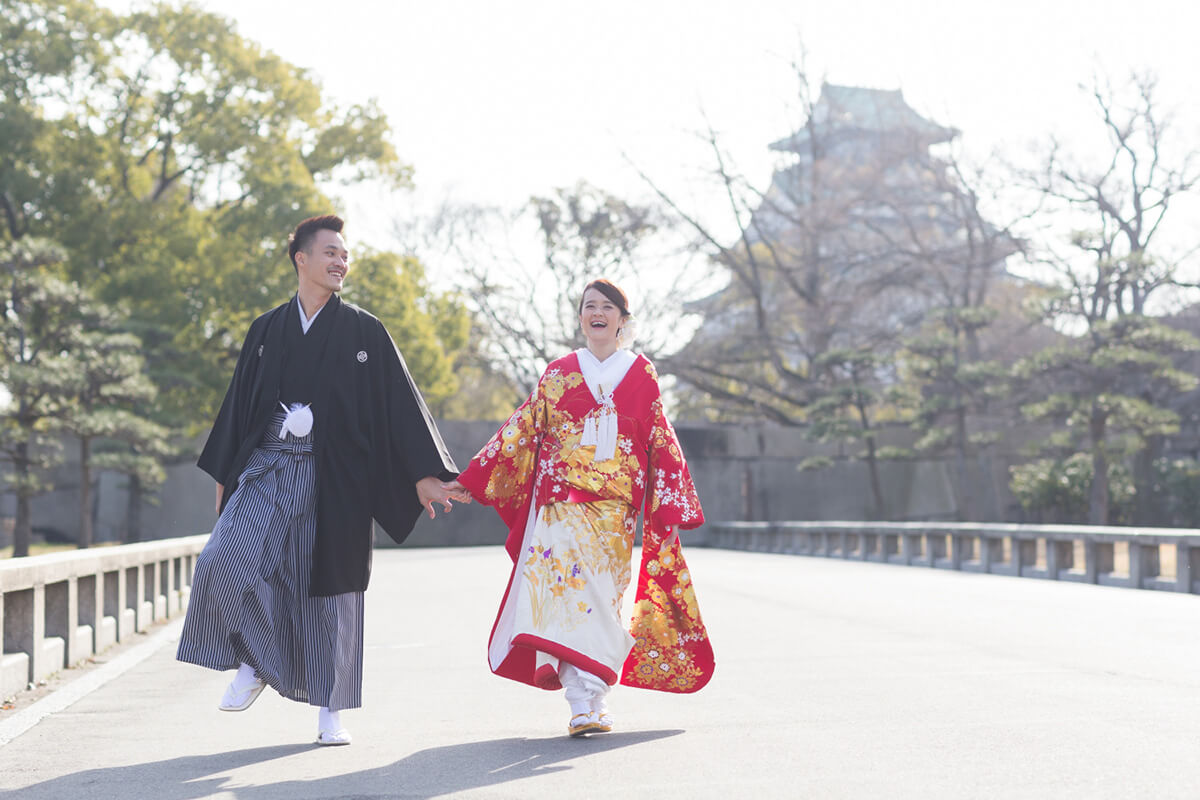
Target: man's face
(326, 262)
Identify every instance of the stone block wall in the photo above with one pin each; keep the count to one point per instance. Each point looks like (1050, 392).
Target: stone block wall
(743, 472)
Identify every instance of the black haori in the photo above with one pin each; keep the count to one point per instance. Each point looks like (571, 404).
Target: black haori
(250, 598)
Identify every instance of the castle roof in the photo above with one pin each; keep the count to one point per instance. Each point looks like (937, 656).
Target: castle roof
(850, 110)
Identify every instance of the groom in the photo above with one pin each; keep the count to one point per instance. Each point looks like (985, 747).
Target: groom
(321, 430)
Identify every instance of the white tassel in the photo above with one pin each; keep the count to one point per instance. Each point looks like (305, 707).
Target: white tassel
(589, 432)
(602, 431)
(606, 446)
(298, 422)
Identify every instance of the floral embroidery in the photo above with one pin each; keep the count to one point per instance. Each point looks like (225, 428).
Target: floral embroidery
(537, 458)
(671, 651)
(536, 455)
(598, 540)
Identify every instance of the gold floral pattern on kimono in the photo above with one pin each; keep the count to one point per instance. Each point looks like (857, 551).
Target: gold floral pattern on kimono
(511, 455)
(600, 536)
(671, 651)
(536, 461)
(536, 456)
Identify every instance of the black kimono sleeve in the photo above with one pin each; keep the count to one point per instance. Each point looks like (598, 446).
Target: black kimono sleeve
(231, 427)
(412, 447)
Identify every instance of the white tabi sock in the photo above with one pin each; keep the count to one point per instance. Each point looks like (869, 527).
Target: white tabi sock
(583, 689)
(244, 678)
(328, 720)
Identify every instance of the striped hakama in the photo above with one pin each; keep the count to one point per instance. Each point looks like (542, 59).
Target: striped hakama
(249, 601)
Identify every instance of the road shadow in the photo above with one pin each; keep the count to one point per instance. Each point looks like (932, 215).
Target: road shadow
(430, 773)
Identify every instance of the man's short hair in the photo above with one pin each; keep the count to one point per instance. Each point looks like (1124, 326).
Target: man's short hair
(301, 238)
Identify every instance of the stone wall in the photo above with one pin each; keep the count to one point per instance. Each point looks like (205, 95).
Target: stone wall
(743, 472)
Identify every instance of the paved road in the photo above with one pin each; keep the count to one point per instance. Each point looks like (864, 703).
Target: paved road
(835, 680)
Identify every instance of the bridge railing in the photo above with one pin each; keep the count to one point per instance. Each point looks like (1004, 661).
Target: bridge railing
(59, 609)
(1141, 558)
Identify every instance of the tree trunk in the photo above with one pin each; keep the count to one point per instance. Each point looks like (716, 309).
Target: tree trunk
(22, 527)
(133, 511)
(1098, 497)
(85, 491)
(23, 524)
(965, 503)
(873, 472)
(1147, 503)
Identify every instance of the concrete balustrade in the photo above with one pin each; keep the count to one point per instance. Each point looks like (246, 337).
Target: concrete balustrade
(1166, 559)
(57, 610)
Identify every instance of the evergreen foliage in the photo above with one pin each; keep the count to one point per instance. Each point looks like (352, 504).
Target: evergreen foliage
(40, 327)
(167, 156)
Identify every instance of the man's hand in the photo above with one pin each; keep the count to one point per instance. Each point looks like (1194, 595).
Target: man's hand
(220, 494)
(431, 490)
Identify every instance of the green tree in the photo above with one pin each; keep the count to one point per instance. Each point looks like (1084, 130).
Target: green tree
(429, 329)
(1113, 381)
(135, 447)
(1102, 389)
(170, 156)
(848, 397)
(49, 56)
(950, 385)
(108, 381)
(40, 325)
(1056, 490)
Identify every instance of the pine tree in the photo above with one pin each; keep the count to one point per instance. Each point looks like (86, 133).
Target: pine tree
(40, 324)
(109, 383)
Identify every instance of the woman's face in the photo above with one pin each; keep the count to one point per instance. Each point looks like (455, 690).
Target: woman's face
(600, 318)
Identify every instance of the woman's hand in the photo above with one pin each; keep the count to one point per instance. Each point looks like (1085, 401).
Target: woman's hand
(457, 491)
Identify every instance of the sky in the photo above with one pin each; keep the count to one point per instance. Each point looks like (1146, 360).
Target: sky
(493, 102)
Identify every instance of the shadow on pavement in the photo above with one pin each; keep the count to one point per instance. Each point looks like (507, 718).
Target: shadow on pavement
(175, 779)
(428, 773)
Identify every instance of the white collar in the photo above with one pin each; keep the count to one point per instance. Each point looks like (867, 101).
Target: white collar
(305, 324)
(603, 377)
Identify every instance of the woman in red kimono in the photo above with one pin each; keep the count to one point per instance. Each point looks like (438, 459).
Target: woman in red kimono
(568, 474)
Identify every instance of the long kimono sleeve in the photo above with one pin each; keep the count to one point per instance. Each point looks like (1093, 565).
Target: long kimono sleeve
(502, 473)
(409, 446)
(229, 431)
(671, 499)
(412, 430)
(671, 651)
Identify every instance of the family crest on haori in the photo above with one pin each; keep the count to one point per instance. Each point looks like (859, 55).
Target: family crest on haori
(322, 429)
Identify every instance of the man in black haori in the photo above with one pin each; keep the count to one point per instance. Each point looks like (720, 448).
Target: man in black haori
(321, 430)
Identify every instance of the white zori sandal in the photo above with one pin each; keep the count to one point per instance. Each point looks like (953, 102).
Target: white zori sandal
(333, 738)
(581, 724)
(236, 699)
(329, 729)
(604, 722)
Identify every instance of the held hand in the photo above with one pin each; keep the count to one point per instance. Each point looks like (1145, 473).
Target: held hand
(669, 541)
(431, 490)
(458, 492)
